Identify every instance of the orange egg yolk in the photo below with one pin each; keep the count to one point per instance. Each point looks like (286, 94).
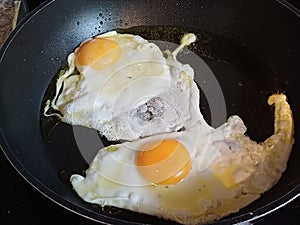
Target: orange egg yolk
(165, 162)
(99, 53)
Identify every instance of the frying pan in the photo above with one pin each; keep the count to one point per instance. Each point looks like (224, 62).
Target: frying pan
(250, 46)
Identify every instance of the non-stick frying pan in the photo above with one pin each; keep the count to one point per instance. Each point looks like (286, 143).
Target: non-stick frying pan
(252, 48)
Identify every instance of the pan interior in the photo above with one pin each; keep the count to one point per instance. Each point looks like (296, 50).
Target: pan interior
(251, 53)
(236, 70)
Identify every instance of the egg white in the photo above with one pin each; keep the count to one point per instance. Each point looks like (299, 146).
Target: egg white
(109, 99)
(114, 179)
(229, 171)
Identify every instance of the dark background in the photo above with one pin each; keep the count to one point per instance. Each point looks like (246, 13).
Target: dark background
(22, 204)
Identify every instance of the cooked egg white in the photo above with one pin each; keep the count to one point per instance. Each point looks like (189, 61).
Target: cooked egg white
(126, 88)
(194, 176)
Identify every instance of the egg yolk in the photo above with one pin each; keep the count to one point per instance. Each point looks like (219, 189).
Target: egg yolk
(99, 53)
(165, 162)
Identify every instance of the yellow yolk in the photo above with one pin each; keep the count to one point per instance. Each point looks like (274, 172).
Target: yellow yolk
(99, 53)
(165, 162)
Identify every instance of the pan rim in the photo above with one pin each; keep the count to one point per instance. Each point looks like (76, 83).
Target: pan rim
(21, 24)
(44, 190)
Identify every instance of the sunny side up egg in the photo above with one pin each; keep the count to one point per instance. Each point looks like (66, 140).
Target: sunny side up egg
(194, 176)
(126, 88)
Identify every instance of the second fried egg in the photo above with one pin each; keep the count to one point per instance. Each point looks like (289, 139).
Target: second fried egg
(195, 176)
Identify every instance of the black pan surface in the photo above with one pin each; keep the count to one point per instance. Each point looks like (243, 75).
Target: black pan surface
(251, 47)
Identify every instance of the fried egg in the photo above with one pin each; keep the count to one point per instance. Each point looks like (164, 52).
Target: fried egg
(195, 176)
(126, 88)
